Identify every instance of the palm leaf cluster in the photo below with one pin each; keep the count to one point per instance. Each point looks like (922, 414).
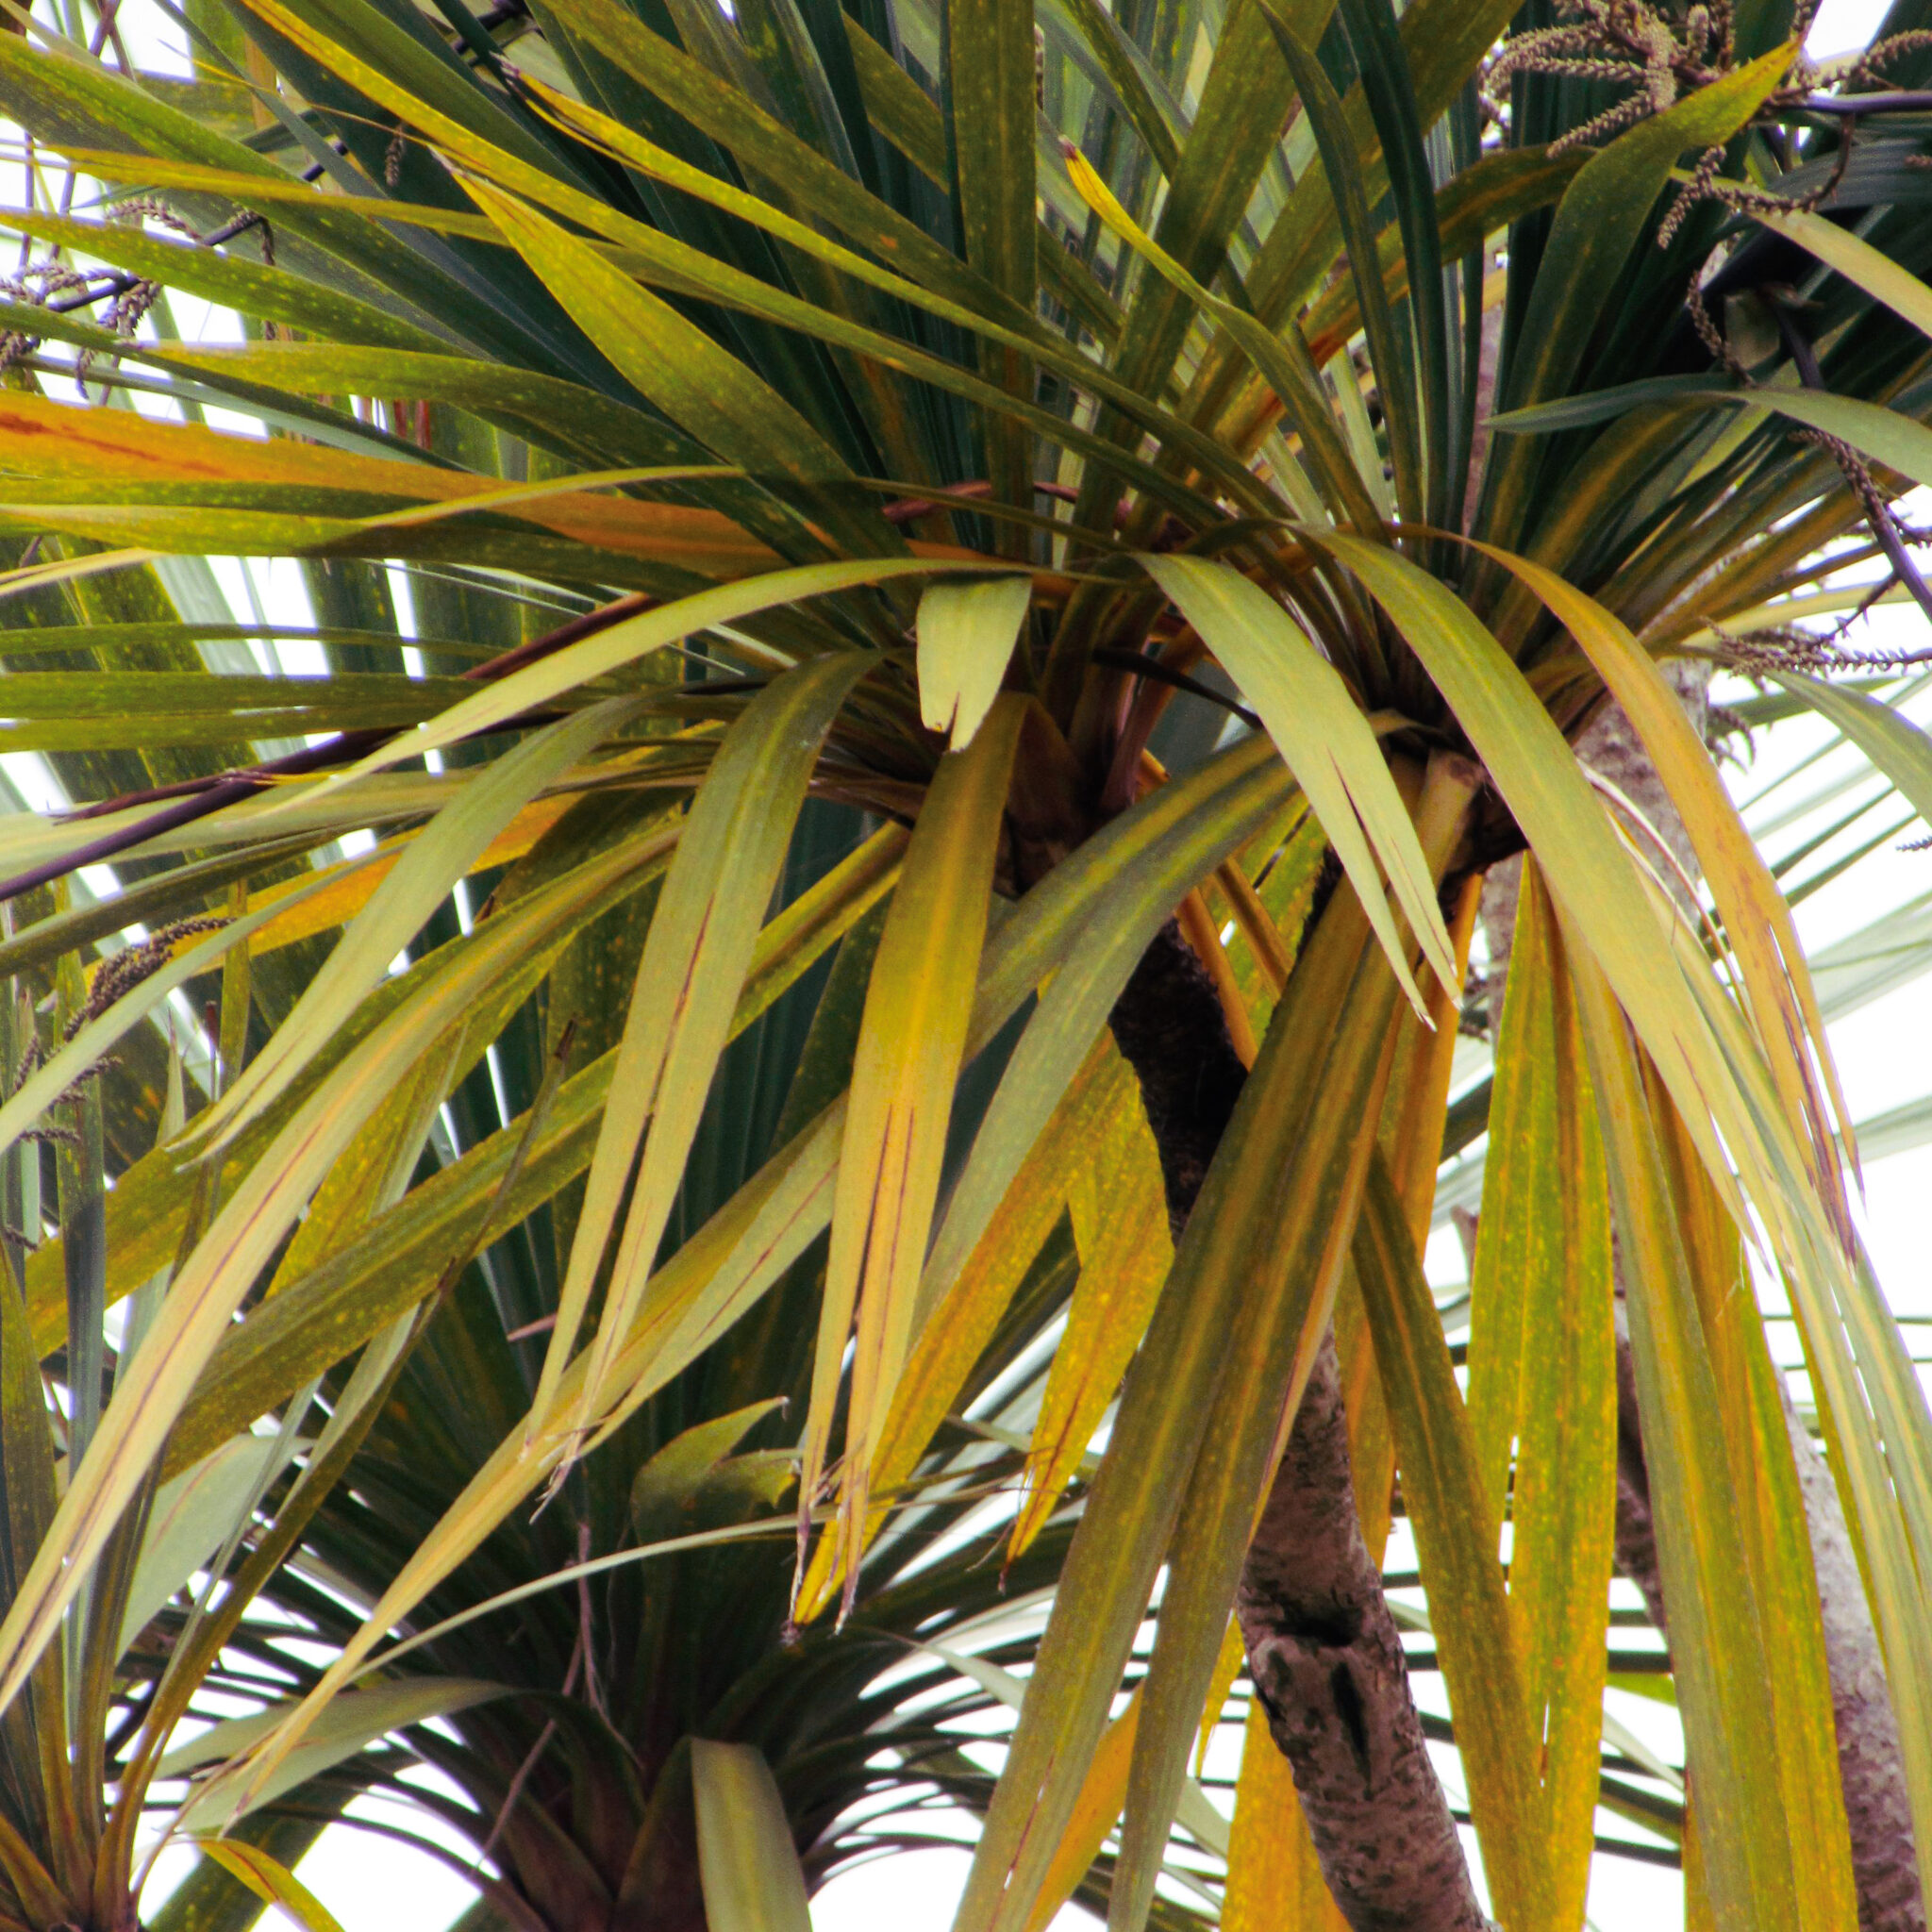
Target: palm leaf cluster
(567, 1153)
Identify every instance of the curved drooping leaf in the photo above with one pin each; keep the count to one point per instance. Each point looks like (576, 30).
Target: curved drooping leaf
(842, 255)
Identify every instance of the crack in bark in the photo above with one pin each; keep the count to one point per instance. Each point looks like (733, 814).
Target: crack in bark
(1324, 1652)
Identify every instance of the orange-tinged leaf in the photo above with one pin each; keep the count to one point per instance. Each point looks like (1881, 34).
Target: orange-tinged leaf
(1275, 1883)
(1094, 1814)
(1197, 928)
(268, 1878)
(1542, 1375)
(1120, 1227)
(1227, 1667)
(339, 901)
(909, 1052)
(39, 438)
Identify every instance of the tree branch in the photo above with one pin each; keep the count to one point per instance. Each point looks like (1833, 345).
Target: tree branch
(1884, 1851)
(1323, 1649)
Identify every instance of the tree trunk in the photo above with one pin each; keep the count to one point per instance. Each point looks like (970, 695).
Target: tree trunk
(1323, 1649)
(1884, 1851)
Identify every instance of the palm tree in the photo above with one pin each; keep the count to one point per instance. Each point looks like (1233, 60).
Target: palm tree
(983, 593)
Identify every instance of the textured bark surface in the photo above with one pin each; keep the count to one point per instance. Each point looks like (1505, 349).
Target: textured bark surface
(1328, 1668)
(1169, 1028)
(1884, 1851)
(1322, 1646)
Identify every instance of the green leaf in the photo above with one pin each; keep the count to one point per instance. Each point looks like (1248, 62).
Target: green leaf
(700, 386)
(1599, 222)
(1074, 914)
(1388, 87)
(190, 1519)
(667, 1481)
(272, 294)
(1283, 362)
(42, 1087)
(533, 686)
(1244, 99)
(537, 404)
(911, 1045)
(988, 110)
(1886, 436)
(1137, 869)
(1456, 1537)
(1121, 62)
(746, 1855)
(1758, 923)
(1390, 356)
(440, 854)
(1602, 405)
(1595, 883)
(314, 1322)
(1862, 265)
(353, 1722)
(1327, 742)
(1118, 1213)
(1759, 1443)
(694, 961)
(226, 1261)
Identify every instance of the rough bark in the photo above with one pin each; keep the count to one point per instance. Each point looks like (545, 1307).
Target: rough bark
(1323, 1649)
(1884, 1851)
(1884, 1857)
(1329, 1668)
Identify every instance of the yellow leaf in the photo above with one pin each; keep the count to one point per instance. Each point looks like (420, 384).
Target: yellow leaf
(1227, 1667)
(1274, 1881)
(966, 633)
(1095, 1811)
(911, 1044)
(269, 1880)
(1542, 1374)
(1120, 1228)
